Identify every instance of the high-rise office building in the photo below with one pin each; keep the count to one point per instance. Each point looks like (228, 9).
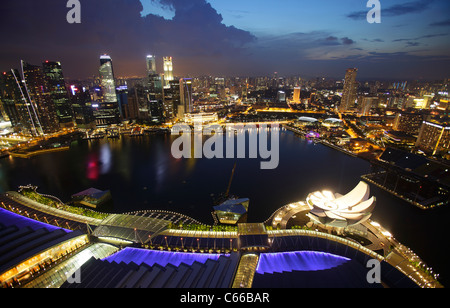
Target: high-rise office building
(58, 92)
(350, 90)
(186, 98)
(171, 100)
(296, 98)
(281, 97)
(151, 65)
(156, 93)
(168, 71)
(107, 79)
(38, 92)
(18, 108)
(80, 99)
(107, 110)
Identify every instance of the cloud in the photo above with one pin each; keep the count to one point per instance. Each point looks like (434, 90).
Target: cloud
(421, 37)
(444, 23)
(195, 36)
(347, 41)
(396, 10)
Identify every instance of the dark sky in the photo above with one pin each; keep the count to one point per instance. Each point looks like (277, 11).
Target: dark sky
(232, 37)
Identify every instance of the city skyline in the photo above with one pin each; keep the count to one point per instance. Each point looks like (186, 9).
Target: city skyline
(226, 38)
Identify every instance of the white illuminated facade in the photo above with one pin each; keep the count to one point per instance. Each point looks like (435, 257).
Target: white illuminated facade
(168, 71)
(107, 79)
(339, 211)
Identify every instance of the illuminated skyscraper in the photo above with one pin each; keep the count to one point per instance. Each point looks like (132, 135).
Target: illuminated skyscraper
(17, 105)
(155, 91)
(350, 88)
(296, 98)
(168, 71)
(58, 92)
(107, 110)
(38, 92)
(107, 80)
(186, 99)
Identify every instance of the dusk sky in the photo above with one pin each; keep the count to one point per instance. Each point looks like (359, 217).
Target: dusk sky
(232, 37)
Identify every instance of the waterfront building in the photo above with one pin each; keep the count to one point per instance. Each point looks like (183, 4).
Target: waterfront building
(16, 105)
(350, 89)
(80, 100)
(58, 92)
(38, 91)
(107, 111)
(232, 211)
(92, 197)
(155, 253)
(339, 211)
(434, 139)
(156, 92)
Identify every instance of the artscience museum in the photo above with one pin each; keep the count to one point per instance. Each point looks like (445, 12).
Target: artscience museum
(335, 210)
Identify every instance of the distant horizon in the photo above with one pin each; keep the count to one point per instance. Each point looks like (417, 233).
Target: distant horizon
(191, 75)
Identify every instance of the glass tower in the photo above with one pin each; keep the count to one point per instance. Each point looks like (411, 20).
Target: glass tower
(38, 93)
(107, 111)
(17, 106)
(58, 92)
(186, 94)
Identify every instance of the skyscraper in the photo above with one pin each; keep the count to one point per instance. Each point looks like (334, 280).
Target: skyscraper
(21, 113)
(350, 89)
(186, 99)
(80, 99)
(107, 112)
(151, 65)
(281, 97)
(296, 98)
(37, 91)
(107, 79)
(168, 71)
(155, 91)
(58, 92)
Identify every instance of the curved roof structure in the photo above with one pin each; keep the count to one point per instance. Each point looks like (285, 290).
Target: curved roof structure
(332, 122)
(308, 119)
(341, 211)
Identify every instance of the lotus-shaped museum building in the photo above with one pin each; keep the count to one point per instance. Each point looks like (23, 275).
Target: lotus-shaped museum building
(335, 210)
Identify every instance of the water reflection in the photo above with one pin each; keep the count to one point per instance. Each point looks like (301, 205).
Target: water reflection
(92, 170)
(105, 158)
